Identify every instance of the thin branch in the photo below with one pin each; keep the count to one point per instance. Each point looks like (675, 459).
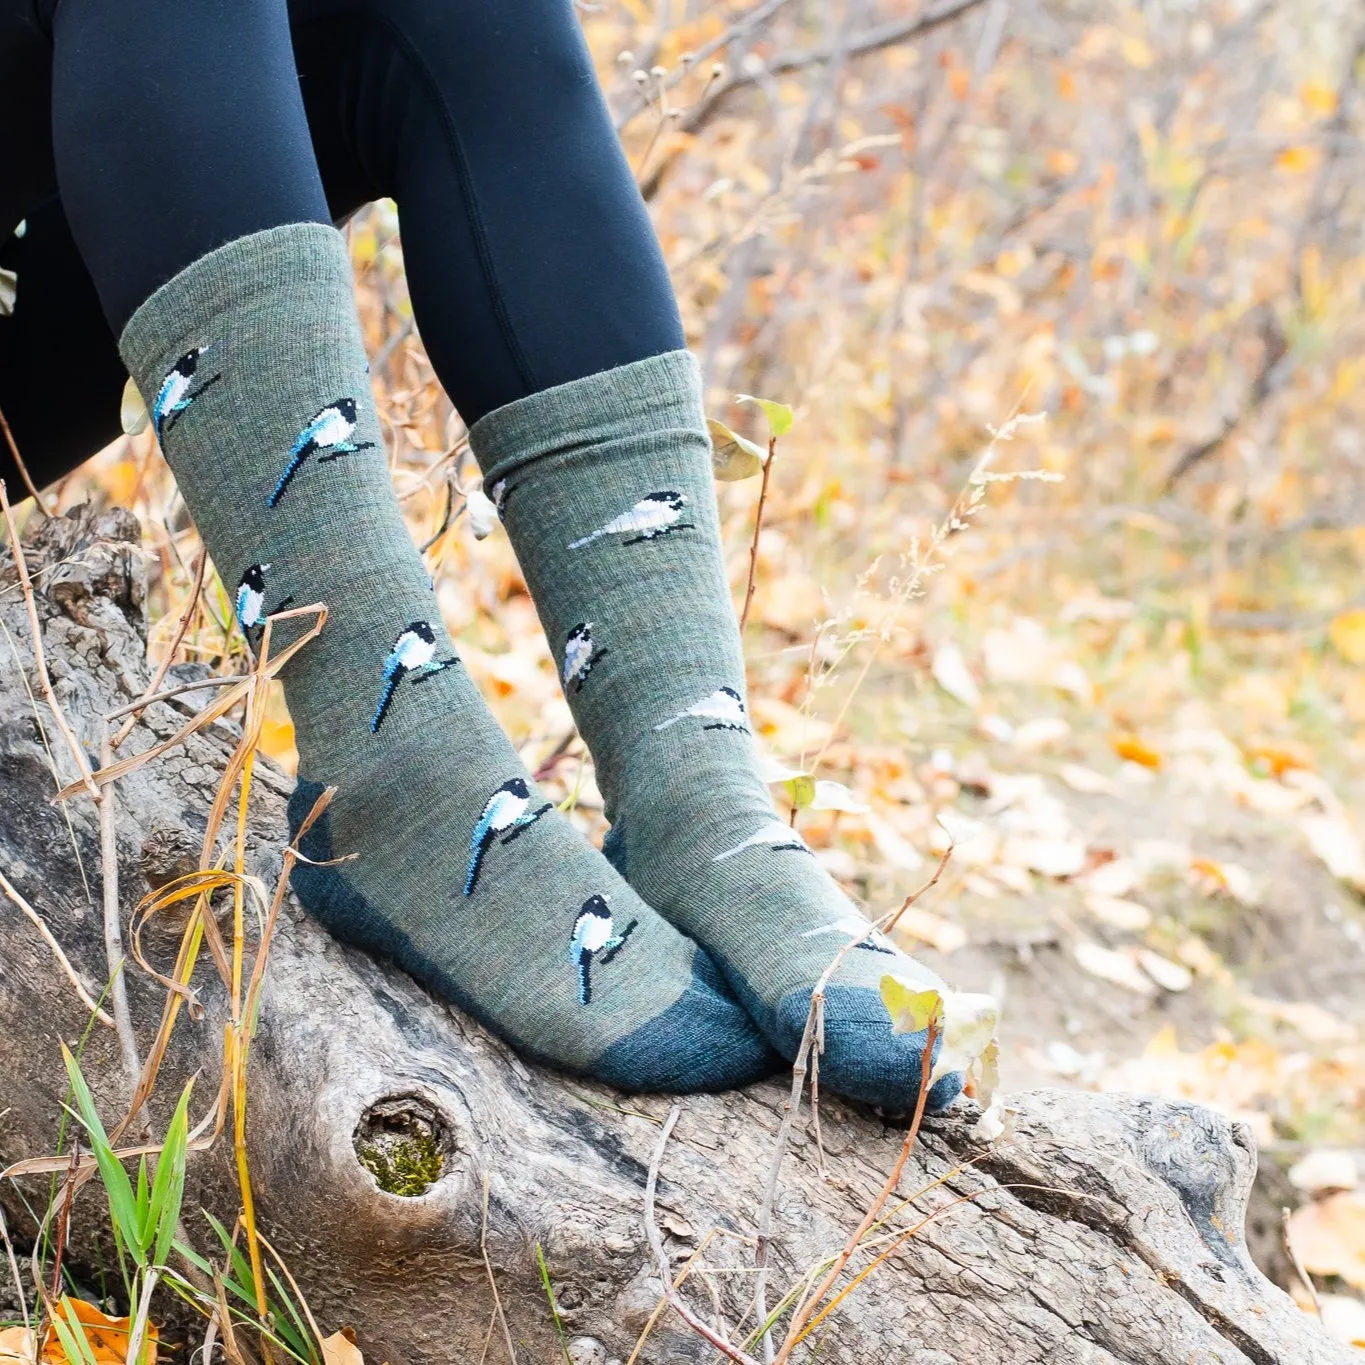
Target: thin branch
(656, 1242)
(1297, 1262)
(758, 531)
(492, 1281)
(62, 960)
(113, 933)
(39, 661)
(20, 465)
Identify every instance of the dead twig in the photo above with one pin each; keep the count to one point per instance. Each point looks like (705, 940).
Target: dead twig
(702, 1329)
(1296, 1261)
(492, 1280)
(20, 465)
(758, 531)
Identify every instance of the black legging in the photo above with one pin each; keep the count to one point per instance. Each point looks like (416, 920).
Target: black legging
(178, 125)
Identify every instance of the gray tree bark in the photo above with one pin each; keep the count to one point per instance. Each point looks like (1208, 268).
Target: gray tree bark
(1107, 1230)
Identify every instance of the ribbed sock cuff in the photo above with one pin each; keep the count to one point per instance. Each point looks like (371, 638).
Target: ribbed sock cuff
(243, 271)
(662, 393)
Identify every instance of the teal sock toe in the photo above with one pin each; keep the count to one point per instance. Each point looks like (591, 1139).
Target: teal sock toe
(254, 371)
(606, 490)
(872, 1063)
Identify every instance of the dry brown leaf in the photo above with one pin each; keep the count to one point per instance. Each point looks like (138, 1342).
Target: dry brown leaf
(108, 1337)
(1119, 913)
(1325, 1169)
(1119, 969)
(954, 677)
(17, 1346)
(1335, 841)
(940, 934)
(1344, 1318)
(338, 1349)
(1329, 1236)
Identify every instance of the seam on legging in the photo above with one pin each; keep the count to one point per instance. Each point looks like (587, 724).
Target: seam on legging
(481, 243)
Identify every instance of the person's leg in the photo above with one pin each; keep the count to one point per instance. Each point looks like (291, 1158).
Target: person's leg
(540, 291)
(252, 365)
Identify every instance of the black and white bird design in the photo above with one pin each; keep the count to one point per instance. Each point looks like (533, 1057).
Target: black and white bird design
(581, 656)
(856, 927)
(250, 603)
(413, 656)
(501, 493)
(178, 390)
(594, 940)
(508, 813)
(327, 435)
(774, 836)
(723, 710)
(653, 516)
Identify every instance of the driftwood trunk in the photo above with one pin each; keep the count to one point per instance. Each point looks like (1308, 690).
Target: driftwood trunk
(1107, 1229)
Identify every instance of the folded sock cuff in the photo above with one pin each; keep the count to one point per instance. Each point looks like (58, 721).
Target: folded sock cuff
(662, 393)
(242, 271)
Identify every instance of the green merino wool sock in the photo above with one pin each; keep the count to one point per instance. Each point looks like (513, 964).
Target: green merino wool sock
(255, 375)
(606, 491)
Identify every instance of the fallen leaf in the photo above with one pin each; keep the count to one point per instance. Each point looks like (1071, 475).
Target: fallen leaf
(800, 790)
(1329, 1235)
(734, 457)
(939, 933)
(895, 848)
(951, 673)
(1129, 746)
(1041, 732)
(1050, 857)
(1343, 1318)
(107, 1337)
(338, 1349)
(1117, 877)
(1118, 912)
(1325, 1169)
(1170, 976)
(17, 1346)
(1231, 878)
(1119, 969)
(1335, 841)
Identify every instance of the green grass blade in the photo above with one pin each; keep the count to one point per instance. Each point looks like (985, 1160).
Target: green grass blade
(168, 1187)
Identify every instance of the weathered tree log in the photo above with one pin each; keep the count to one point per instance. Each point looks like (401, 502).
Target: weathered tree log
(1107, 1230)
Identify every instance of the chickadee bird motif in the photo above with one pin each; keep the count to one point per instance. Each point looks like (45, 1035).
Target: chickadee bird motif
(856, 927)
(775, 836)
(250, 604)
(651, 517)
(178, 390)
(724, 709)
(507, 812)
(581, 656)
(413, 656)
(327, 435)
(592, 940)
(501, 493)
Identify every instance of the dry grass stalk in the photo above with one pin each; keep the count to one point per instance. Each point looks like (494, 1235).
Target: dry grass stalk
(21, 466)
(758, 531)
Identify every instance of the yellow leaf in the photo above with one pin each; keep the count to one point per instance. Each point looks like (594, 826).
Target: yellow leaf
(1129, 746)
(339, 1349)
(1347, 634)
(132, 410)
(910, 1011)
(1297, 159)
(779, 415)
(107, 1337)
(800, 790)
(1318, 98)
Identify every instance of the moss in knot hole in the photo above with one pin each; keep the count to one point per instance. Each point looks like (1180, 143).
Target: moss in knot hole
(403, 1142)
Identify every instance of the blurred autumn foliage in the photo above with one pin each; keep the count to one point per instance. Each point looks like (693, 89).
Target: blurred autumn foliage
(1131, 235)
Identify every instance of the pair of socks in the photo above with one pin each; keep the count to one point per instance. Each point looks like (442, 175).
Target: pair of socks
(684, 960)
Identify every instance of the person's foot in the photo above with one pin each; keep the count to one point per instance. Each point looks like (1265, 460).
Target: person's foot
(606, 492)
(456, 867)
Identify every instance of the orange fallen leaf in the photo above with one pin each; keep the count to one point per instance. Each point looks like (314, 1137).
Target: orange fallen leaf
(108, 1337)
(1127, 745)
(16, 1346)
(339, 1349)
(1329, 1235)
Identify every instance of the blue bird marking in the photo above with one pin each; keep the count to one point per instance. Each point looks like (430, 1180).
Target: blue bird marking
(177, 390)
(508, 813)
(327, 435)
(593, 939)
(413, 656)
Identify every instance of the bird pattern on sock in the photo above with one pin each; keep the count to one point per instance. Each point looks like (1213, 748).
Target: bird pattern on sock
(608, 471)
(455, 866)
